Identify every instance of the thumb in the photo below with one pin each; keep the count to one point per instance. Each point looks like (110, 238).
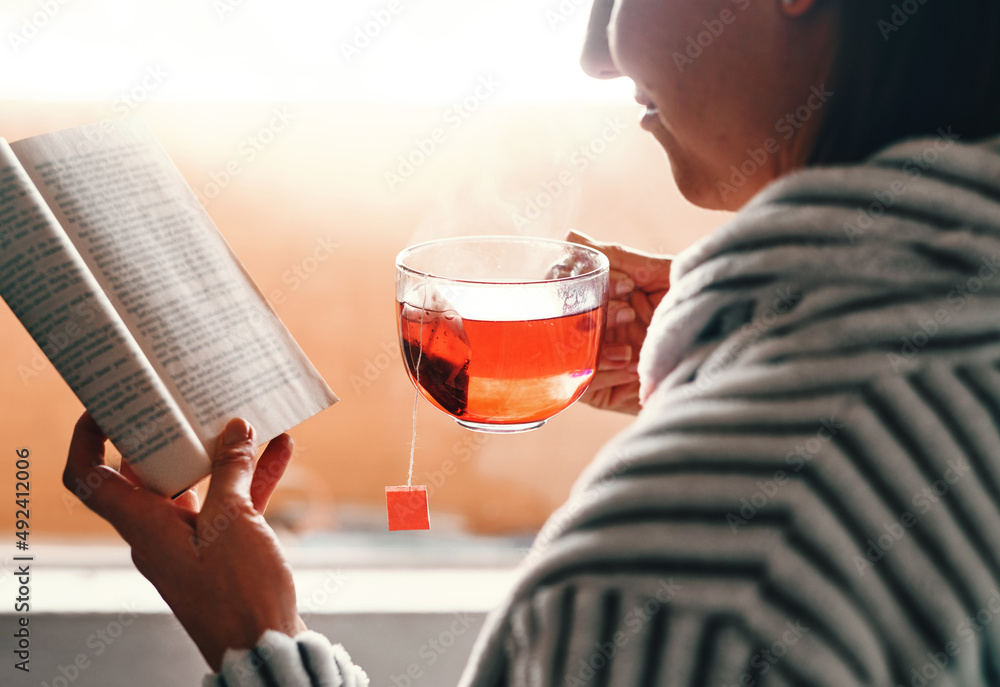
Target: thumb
(648, 270)
(232, 466)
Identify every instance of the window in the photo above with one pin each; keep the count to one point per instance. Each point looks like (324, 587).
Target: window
(323, 138)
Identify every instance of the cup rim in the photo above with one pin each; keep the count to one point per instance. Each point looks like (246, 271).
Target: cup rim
(602, 259)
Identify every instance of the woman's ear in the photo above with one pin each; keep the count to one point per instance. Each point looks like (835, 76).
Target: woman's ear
(795, 8)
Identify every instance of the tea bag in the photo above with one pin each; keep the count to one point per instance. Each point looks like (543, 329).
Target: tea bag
(437, 351)
(406, 507)
(436, 348)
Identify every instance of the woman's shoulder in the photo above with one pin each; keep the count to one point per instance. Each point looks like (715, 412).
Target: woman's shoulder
(893, 261)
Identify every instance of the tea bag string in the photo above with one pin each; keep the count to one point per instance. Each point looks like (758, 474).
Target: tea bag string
(416, 392)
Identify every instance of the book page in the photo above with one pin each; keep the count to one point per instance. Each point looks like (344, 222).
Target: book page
(202, 323)
(49, 288)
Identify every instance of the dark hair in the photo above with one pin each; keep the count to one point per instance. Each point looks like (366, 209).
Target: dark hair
(905, 68)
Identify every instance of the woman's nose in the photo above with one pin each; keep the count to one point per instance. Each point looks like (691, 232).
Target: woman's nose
(596, 57)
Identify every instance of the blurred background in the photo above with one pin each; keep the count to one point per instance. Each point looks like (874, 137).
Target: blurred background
(307, 129)
(323, 137)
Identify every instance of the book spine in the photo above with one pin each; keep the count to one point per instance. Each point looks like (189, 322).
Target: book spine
(49, 288)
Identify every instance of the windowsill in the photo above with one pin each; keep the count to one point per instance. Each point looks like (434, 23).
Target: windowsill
(406, 605)
(341, 574)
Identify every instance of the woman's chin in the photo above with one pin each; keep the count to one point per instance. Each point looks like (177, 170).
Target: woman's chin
(698, 185)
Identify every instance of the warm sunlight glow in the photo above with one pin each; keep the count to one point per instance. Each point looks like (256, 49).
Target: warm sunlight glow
(297, 50)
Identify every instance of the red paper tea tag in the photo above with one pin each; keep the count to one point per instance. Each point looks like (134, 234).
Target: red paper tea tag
(407, 508)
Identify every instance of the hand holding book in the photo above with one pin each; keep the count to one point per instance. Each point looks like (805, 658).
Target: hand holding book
(220, 568)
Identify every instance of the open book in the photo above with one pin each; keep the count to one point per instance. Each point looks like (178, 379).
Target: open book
(117, 272)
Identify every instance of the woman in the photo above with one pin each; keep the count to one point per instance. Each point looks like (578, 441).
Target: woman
(811, 492)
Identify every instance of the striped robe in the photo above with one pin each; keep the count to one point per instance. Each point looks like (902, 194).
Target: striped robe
(811, 493)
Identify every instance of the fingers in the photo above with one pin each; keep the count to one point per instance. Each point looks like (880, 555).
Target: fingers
(642, 307)
(650, 272)
(86, 449)
(270, 468)
(188, 500)
(656, 296)
(614, 356)
(621, 284)
(232, 466)
(623, 399)
(98, 486)
(620, 313)
(610, 378)
(126, 471)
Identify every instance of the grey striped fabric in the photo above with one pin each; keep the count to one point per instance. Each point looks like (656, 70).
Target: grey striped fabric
(811, 494)
(308, 660)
